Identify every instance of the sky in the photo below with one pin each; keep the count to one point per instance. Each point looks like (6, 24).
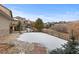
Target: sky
(47, 12)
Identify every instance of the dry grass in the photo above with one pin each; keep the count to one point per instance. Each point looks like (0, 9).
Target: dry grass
(4, 47)
(12, 46)
(56, 33)
(5, 42)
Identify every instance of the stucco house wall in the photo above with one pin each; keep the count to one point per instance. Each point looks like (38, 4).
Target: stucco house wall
(4, 26)
(5, 20)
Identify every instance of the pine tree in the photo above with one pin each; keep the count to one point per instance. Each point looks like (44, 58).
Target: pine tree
(39, 24)
(71, 47)
(57, 51)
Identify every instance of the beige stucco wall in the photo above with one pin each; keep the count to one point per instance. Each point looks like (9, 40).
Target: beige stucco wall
(4, 26)
(5, 10)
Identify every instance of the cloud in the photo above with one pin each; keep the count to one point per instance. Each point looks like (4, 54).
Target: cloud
(47, 16)
(50, 17)
(32, 17)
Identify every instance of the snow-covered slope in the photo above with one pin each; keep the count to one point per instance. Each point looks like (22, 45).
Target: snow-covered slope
(48, 41)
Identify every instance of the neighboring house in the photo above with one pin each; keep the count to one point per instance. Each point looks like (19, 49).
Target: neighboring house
(13, 25)
(24, 23)
(16, 21)
(5, 19)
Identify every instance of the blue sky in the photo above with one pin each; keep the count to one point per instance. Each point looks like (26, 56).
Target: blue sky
(48, 12)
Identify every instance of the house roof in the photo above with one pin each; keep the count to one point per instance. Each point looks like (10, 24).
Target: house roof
(6, 15)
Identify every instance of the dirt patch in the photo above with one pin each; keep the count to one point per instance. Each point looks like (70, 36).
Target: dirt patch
(4, 47)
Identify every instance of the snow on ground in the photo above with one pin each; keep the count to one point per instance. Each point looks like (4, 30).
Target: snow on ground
(48, 41)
